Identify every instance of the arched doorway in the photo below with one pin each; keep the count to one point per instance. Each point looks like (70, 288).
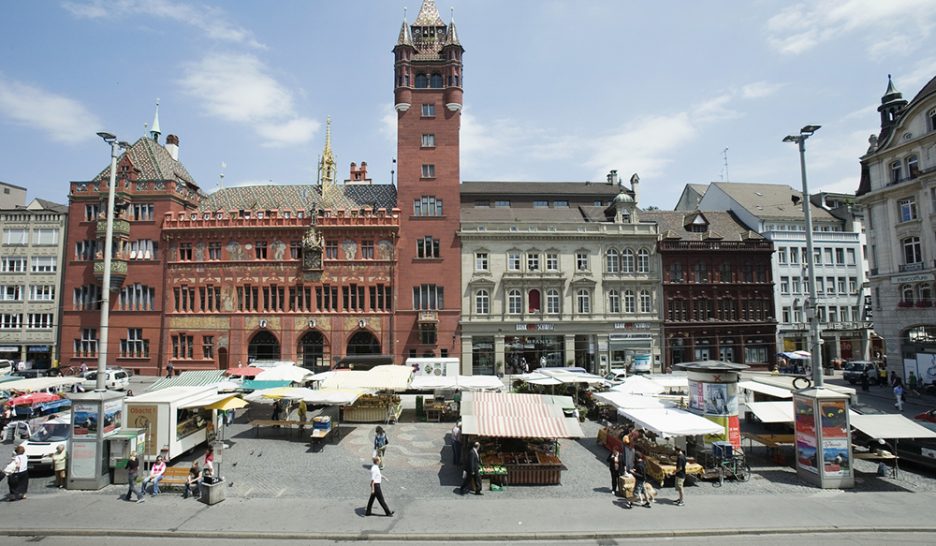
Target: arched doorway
(222, 359)
(263, 346)
(312, 350)
(363, 343)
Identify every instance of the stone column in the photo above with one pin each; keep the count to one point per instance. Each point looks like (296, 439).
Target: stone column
(569, 342)
(467, 361)
(500, 358)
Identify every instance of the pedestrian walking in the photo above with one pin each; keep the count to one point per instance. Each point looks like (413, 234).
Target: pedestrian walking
(680, 476)
(155, 475)
(640, 477)
(380, 444)
(614, 465)
(456, 443)
(133, 468)
(59, 459)
(169, 369)
(893, 378)
(192, 480)
(17, 473)
(375, 490)
(473, 471)
(865, 381)
(898, 394)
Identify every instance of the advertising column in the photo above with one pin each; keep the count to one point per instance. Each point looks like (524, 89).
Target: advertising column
(823, 438)
(713, 394)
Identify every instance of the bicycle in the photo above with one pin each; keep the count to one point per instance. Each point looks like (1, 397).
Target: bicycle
(735, 467)
(802, 382)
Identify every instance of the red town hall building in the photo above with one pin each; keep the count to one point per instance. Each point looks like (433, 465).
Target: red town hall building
(309, 273)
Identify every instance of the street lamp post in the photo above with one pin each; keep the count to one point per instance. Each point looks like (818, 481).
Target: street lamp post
(810, 307)
(108, 258)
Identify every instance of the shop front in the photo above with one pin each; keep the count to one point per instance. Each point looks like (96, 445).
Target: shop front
(528, 352)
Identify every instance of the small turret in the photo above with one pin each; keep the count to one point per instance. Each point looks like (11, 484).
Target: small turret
(892, 105)
(154, 131)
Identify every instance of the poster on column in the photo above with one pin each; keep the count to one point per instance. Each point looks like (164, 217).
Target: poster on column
(833, 419)
(721, 399)
(731, 430)
(86, 420)
(696, 396)
(805, 425)
(835, 460)
(113, 414)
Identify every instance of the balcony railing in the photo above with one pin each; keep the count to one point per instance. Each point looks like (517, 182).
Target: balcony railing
(919, 304)
(118, 272)
(428, 317)
(121, 228)
(906, 268)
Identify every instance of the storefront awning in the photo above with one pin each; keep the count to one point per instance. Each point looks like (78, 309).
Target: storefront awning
(772, 412)
(889, 427)
(768, 390)
(671, 422)
(195, 378)
(511, 415)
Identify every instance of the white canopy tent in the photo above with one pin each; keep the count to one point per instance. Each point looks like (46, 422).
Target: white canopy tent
(34, 384)
(669, 422)
(294, 374)
(387, 377)
(622, 400)
(772, 412)
(322, 397)
(769, 390)
(889, 426)
(637, 384)
(457, 382)
(511, 415)
(669, 380)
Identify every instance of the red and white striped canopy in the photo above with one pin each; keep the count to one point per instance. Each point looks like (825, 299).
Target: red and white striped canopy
(509, 415)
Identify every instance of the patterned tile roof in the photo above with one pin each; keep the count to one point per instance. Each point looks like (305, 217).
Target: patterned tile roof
(297, 196)
(428, 15)
(153, 162)
(721, 225)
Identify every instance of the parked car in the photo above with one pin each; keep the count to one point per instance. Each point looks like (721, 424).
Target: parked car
(855, 368)
(6, 366)
(616, 376)
(116, 379)
(43, 441)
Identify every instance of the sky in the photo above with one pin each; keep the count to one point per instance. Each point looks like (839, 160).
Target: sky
(554, 90)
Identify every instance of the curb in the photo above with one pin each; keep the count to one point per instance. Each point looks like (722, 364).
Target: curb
(446, 537)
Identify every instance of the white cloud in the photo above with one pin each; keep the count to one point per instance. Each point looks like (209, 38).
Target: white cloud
(63, 119)
(758, 90)
(237, 88)
(644, 145)
(210, 20)
(801, 27)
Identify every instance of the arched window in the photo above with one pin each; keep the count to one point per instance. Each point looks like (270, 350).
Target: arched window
(514, 302)
(482, 302)
(627, 261)
(583, 299)
(533, 301)
(646, 302)
(913, 253)
(906, 294)
(926, 294)
(913, 166)
(612, 261)
(614, 301)
(630, 302)
(263, 346)
(643, 261)
(312, 350)
(363, 343)
(436, 81)
(552, 302)
(422, 81)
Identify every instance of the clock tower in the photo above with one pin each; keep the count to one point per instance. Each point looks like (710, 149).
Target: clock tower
(428, 101)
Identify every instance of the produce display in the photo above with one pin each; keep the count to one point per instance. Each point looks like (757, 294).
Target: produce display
(374, 409)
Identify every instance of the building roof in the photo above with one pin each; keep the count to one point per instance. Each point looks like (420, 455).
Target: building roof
(153, 161)
(507, 214)
(7, 184)
(298, 196)
(721, 225)
(928, 89)
(428, 15)
(771, 201)
(49, 205)
(539, 188)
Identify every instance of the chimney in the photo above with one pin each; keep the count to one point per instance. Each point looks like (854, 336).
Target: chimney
(363, 170)
(612, 177)
(172, 146)
(635, 187)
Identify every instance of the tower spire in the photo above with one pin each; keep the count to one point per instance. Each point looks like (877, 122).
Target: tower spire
(406, 35)
(327, 170)
(154, 131)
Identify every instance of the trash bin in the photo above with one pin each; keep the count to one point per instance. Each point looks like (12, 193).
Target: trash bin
(212, 493)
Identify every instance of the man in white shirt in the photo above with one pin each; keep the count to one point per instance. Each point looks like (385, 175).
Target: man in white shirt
(375, 492)
(456, 443)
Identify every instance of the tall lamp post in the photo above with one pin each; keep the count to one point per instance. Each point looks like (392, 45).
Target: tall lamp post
(823, 433)
(810, 308)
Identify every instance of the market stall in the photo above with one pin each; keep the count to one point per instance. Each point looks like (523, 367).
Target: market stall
(383, 406)
(519, 434)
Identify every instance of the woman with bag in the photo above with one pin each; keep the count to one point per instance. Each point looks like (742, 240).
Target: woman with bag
(18, 474)
(614, 465)
(380, 444)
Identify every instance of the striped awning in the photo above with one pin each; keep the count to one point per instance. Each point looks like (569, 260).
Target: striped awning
(510, 415)
(198, 378)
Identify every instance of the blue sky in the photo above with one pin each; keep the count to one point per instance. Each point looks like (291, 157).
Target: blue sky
(554, 90)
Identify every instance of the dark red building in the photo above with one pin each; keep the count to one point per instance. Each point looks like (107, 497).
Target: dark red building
(428, 101)
(718, 295)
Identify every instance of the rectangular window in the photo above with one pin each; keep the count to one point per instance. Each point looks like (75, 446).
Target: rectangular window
(11, 292)
(143, 249)
(427, 247)
(513, 261)
(839, 256)
(794, 255)
(785, 314)
(44, 264)
(840, 285)
(852, 285)
(15, 236)
(142, 212)
(352, 298)
(41, 292)
(820, 285)
(784, 285)
(428, 170)
(502, 204)
(827, 252)
(428, 110)
(260, 250)
(428, 140)
(844, 315)
(533, 262)
(482, 204)
(782, 255)
(428, 297)
(136, 297)
(581, 261)
(380, 298)
(295, 250)
(208, 347)
(86, 345)
(185, 252)
(481, 261)
(331, 250)
(184, 299)
(91, 212)
(830, 285)
(183, 346)
(39, 321)
(552, 302)
(134, 346)
(45, 236)
(540, 204)
(87, 298)
(326, 298)
(817, 256)
(552, 261)
(561, 204)
(11, 321)
(13, 265)
(85, 250)
(274, 298)
(797, 286)
(214, 250)
(427, 205)
(367, 250)
(248, 298)
(906, 210)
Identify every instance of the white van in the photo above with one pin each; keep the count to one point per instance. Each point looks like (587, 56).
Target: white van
(43, 442)
(115, 380)
(6, 366)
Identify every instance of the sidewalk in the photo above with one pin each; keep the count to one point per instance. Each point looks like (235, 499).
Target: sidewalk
(466, 518)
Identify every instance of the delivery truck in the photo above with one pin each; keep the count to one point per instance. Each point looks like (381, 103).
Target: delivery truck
(176, 419)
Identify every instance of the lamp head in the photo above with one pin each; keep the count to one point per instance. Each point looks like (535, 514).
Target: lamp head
(809, 129)
(108, 137)
(124, 144)
(791, 138)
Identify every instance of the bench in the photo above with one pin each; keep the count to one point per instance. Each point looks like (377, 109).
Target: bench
(257, 423)
(174, 476)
